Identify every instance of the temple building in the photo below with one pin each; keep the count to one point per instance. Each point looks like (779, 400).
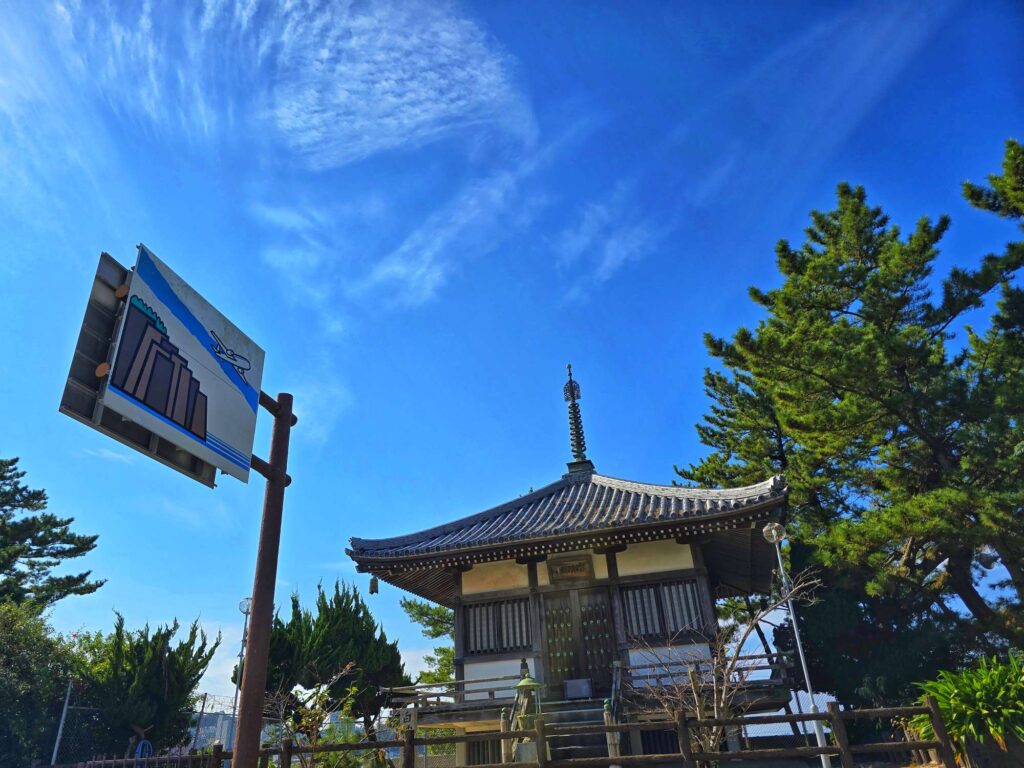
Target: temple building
(577, 583)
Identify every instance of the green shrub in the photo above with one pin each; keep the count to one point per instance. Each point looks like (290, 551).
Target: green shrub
(983, 702)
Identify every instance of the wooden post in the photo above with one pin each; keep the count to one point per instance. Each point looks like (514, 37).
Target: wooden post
(683, 733)
(542, 743)
(506, 743)
(286, 753)
(839, 734)
(409, 749)
(945, 747)
(249, 722)
(216, 756)
(611, 737)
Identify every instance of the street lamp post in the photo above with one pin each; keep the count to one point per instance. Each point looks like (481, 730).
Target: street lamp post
(244, 606)
(775, 534)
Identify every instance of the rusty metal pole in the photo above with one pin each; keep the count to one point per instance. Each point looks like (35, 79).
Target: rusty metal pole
(246, 750)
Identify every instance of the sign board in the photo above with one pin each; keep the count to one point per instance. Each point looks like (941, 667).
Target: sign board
(407, 717)
(182, 383)
(570, 569)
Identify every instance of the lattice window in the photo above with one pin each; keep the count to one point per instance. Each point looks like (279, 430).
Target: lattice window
(483, 752)
(498, 627)
(662, 610)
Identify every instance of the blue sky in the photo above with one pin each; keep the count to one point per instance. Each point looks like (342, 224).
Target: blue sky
(422, 211)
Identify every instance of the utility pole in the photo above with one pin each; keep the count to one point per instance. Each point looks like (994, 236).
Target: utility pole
(60, 728)
(775, 533)
(254, 670)
(245, 606)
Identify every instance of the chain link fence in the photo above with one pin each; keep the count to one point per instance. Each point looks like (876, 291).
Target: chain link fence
(212, 722)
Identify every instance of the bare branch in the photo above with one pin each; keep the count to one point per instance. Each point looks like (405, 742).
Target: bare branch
(675, 680)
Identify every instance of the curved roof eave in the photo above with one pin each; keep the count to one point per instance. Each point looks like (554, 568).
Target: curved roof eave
(577, 505)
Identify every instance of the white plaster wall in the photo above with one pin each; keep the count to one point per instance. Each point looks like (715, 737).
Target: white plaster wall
(666, 656)
(654, 557)
(600, 566)
(494, 577)
(483, 670)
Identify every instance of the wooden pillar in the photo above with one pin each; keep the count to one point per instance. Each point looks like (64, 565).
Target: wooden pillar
(618, 614)
(409, 749)
(536, 622)
(611, 737)
(542, 743)
(636, 741)
(506, 744)
(461, 752)
(703, 587)
(683, 734)
(460, 633)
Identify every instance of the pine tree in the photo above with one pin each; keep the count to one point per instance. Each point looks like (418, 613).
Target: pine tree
(435, 622)
(34, 542)
(903, 450)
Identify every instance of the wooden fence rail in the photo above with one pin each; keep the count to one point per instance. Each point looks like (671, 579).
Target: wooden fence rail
(542, 732)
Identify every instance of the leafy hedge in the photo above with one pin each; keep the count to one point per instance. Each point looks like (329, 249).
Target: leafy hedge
(981, 703)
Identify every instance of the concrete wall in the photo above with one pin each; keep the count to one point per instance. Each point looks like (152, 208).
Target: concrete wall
(494, 577)
(654, 557)
(482, 670)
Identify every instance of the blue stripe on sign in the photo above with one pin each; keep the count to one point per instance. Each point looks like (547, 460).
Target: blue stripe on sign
(149, 272)
(219, 451)
(211, 438)
(225, 450)
(226, 446)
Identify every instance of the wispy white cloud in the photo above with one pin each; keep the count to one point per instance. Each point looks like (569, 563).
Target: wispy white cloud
(355, 79)
(332, 82)
(107, 454)
(287, 218)
(606, 235)
(210, 516)
(472, 223)
(475, 220)
(54, 152)
(789, 133)
(801, 103)
(413, 272)
(321, 399)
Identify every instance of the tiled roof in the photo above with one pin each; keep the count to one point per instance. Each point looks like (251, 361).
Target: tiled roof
(580, 504)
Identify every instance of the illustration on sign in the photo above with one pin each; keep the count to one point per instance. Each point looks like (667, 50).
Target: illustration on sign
(183, 371)
(151, 369)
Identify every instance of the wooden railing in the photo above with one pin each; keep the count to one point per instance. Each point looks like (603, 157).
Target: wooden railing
(454, 692)
(753, 670)
(756, 670)
(688, 756)
(833, 717)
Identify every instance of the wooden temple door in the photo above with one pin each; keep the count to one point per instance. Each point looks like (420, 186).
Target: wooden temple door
(580, 638)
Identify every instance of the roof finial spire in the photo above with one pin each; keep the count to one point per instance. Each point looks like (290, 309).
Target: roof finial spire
(580, 461)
